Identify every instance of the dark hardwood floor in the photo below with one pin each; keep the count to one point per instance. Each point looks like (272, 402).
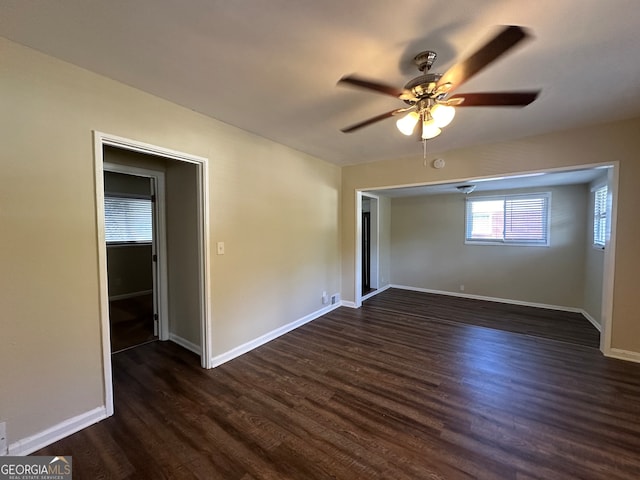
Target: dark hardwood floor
(540, 322)
(131, 321)
(373, 393)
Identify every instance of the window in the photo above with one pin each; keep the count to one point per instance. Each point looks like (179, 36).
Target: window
(599, 216)
(508, 219)
(128, 219)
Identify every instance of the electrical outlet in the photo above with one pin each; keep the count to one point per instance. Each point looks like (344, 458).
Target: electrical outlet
(220, 248)
(325, 298)
(3, 438)
(462, 287)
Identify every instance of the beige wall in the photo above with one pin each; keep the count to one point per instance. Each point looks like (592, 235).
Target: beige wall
(428, 250)
(384, 208)
(183, 263)
(277, 210)
(594, 145)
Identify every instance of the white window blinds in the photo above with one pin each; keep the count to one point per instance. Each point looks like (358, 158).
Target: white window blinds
(508, 219)
(600, 216)
(128, 219)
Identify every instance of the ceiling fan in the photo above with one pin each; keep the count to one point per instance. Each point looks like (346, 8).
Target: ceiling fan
(429, 96)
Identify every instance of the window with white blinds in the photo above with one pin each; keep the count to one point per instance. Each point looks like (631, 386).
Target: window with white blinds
(128, 220)
(600, 216)
(521, 219)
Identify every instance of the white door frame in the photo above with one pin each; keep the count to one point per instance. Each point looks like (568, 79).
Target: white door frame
(99, 141)
(375, 256)
(160, 280)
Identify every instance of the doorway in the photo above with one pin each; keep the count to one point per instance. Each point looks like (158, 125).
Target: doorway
(181, 305)
(131, 235)
(366, 251)
(603, 291)
(369, 240)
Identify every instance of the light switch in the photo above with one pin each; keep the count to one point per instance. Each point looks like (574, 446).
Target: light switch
(220, 248)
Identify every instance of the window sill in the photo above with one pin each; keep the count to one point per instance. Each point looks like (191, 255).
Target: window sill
(128, 244)
(505, 244)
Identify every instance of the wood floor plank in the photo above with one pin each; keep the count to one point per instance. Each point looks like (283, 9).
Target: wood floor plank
(404, 388)
(546, 323)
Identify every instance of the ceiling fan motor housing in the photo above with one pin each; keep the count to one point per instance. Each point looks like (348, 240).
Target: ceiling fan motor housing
(424, 60)
(423, 85)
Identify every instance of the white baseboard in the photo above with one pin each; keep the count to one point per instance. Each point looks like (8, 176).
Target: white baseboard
(592, 320)
(122, 296)
(492, 299)
(623, 355)
(267, 337)
(68, 427)
(185, 343)
(347, 303)
(375, 292)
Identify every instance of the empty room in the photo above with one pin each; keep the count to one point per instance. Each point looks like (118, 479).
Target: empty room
(308, 240)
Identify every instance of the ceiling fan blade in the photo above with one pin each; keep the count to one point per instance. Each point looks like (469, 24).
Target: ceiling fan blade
(493, 99)
(353, 80)
(508, 38)
(375, 119)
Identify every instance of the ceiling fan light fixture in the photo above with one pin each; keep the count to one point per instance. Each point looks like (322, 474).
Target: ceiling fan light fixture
(442, 114)
(408, 123)
(430, 129)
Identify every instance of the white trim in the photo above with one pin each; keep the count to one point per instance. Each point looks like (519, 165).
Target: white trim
(103, 293)
(124, 296)
(375, 292)
(348, 304)
(358, 260)
(205, 264)
(267, 337)
(63, 429)
(184, 343)
(623, 355)
(491, 299)
(613, 176)
(99, 141)
(592, 320)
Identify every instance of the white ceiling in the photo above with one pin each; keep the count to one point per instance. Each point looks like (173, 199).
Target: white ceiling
(270, 67)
